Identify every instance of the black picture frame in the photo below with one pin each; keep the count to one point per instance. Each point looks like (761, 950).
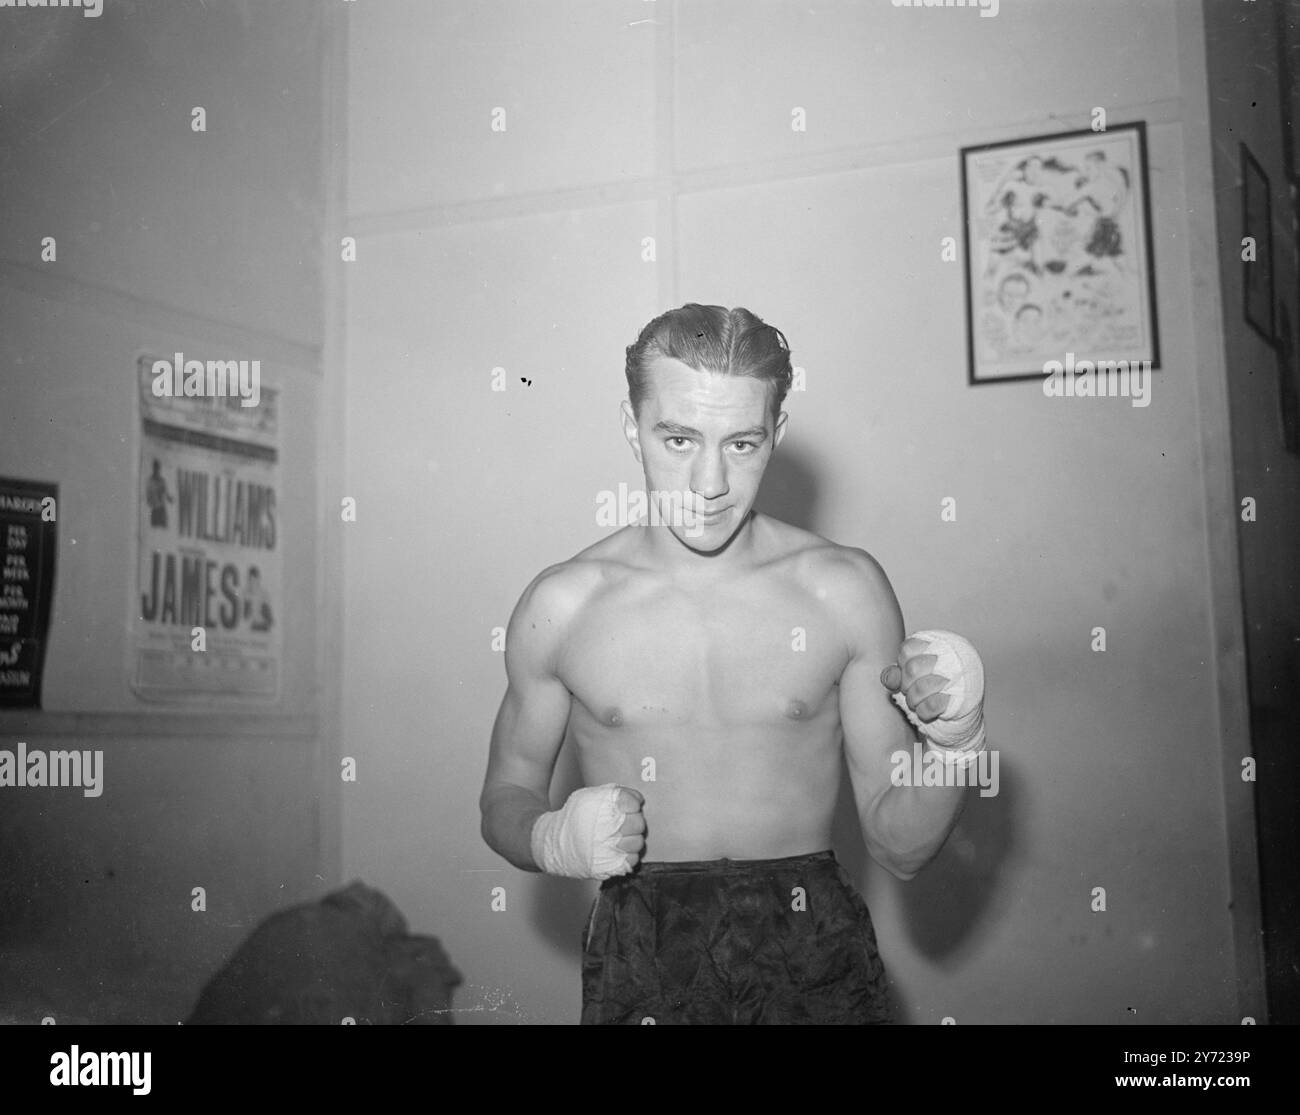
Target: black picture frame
(1257, 223)
(1106, 236)
(1288, 381)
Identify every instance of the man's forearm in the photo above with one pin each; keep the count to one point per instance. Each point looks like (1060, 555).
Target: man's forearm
(509, 813)
(908, 825)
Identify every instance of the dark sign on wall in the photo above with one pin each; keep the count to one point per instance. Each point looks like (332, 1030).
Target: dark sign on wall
(27, 536)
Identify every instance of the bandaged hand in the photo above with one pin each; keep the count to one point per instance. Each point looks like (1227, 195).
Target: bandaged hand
(938, 682)
(598, 833)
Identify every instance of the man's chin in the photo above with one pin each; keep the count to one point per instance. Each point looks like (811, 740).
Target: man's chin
(707, 540)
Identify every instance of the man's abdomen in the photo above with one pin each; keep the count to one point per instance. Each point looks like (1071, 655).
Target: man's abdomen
(712, 795)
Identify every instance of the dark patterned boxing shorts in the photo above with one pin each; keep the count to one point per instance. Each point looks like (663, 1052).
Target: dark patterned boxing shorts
(772, 941)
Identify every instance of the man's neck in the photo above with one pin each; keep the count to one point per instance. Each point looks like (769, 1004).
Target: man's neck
(666, 552)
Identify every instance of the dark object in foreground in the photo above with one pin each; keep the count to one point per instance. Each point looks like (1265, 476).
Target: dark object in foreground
(348, 956)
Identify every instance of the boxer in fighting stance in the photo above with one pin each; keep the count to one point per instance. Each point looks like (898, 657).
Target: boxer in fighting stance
(709, 671)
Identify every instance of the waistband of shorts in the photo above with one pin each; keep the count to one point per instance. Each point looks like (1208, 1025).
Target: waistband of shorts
(731, 866)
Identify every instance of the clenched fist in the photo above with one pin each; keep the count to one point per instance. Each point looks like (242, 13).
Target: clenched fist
(938, 682)
(598, 833)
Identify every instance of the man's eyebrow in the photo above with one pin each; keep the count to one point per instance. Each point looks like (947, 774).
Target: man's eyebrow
(754, 433)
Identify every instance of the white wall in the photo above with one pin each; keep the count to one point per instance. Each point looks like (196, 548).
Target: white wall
(524, 250)
(166, 240)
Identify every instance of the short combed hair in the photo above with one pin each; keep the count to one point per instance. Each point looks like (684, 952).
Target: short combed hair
(712, 339)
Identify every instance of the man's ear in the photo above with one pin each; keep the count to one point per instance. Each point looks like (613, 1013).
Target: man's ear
(780, 429)
(630, 430)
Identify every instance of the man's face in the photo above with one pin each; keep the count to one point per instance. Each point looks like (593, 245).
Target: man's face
(704, 441)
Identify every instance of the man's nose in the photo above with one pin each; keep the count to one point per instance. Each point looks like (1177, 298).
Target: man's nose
(709, 478)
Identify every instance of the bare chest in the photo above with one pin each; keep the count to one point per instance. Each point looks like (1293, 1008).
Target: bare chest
(717, 661)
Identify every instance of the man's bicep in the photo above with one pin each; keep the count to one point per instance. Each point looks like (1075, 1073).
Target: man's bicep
(530, 724)
(528, 732)
(873, 726)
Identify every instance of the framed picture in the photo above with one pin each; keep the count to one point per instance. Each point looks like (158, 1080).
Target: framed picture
(1256, 265)
(1059, 262)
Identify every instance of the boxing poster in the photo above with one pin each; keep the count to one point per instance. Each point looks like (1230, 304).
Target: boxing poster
(208, 608)
(28, 516)
(1059, 265)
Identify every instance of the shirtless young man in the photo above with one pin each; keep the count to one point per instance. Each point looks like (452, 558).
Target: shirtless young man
(709, 671)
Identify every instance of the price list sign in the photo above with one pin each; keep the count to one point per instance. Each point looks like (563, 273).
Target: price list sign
(27, 525)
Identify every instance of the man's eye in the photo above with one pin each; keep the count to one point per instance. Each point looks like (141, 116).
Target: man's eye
(746, 446)
(681, 439)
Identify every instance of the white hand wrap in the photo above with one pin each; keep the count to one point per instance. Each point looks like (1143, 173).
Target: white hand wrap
(959, 731)
(580, 839)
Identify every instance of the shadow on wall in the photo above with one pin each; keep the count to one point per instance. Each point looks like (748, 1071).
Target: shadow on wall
(959, 891)
(789, 491)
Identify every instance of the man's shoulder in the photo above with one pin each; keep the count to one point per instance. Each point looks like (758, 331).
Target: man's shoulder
(848, 580)
(850, 575)
(561, 590)
(828, 564)
(856, 593)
